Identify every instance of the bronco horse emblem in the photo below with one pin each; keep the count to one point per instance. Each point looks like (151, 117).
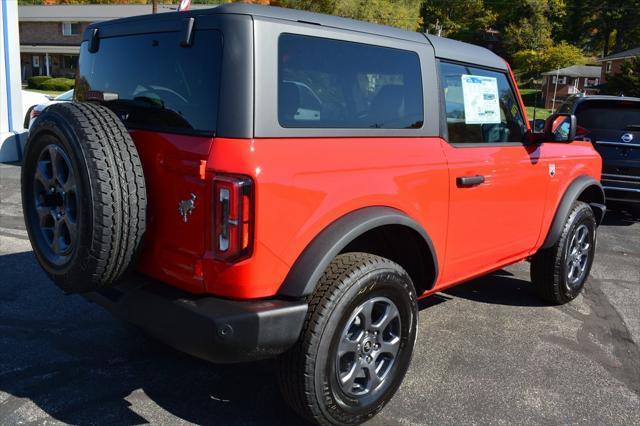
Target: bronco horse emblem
(185, 207)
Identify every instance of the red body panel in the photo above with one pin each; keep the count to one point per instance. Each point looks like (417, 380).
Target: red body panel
(174, 168)
(303, 185)
(498, 221)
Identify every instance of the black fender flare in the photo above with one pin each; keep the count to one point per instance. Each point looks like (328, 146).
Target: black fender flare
(315, 258)
(572, 193)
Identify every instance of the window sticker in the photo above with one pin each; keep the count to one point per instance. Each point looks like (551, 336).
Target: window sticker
(481, 101)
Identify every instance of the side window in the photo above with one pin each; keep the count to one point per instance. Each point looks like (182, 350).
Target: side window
(325, 83)
(481, 106)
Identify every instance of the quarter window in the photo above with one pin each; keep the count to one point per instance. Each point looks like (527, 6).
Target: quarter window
(325, 83)
(481, 106)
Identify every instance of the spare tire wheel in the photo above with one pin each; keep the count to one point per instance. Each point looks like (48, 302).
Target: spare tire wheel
(83, 196)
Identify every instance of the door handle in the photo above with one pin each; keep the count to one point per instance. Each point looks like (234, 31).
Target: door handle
(469, 180)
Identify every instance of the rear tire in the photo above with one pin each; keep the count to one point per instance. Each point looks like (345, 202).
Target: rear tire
(361, 322)
(83, 195)
(559, 272)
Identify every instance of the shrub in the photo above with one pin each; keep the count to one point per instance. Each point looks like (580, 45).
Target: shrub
(35, 81)
(62, 84)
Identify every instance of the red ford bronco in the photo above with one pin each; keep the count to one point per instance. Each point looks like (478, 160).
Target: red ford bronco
(248, 182)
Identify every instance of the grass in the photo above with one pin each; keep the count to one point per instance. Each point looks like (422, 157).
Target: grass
(524, 92)
(541, 113)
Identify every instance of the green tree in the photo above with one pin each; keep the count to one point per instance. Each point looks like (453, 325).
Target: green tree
(400, 13)
(627, 81)
(530, 63)
(562, 55)
(527, 26)
(464, 20)
(320, 6)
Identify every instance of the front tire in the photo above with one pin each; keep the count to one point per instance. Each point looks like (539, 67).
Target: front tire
(559, 272)
(356, 344)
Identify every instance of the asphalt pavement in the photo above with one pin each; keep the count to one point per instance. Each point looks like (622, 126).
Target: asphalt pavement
(488, 352)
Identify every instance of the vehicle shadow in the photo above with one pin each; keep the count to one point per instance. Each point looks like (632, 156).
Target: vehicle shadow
(79, 365)
(620, 214)
(498, 288)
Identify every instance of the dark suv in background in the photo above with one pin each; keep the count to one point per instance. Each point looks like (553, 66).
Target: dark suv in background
(612, 123)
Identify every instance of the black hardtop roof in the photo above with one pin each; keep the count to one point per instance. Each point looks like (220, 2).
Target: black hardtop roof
(444, 48)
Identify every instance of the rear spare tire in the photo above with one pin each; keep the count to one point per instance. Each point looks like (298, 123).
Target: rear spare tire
(83, 196)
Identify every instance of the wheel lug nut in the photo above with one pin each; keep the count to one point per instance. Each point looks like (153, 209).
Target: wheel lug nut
(368, 359)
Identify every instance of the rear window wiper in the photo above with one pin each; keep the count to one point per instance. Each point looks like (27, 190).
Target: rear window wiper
(632, 127)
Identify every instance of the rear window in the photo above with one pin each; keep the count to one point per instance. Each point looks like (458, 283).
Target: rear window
(608, 115)
(325, 83)
(151, 82)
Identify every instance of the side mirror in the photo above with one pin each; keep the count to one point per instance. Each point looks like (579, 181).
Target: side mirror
(560, 128)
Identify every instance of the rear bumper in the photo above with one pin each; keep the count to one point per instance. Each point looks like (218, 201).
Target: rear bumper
(215, 329)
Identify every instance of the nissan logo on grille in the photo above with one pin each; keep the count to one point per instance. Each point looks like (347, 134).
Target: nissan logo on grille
(627, 137)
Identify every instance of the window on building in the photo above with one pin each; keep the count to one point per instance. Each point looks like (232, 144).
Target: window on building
(608, 67)
(325, 83)
(70, 62)
(561, 80)
(590, 82)
(576, 83)
(481, 105)
(70, 28)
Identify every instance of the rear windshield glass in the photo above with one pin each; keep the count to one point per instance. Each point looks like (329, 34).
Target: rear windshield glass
(324, 83)
(609, 115)
(152, 82)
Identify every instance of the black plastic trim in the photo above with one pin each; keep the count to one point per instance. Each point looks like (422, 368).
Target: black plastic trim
(215, 329)
(570, 196)
(94, 40)
(311, 264)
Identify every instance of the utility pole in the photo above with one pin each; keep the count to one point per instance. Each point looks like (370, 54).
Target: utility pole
(154, 6)
(555, 89)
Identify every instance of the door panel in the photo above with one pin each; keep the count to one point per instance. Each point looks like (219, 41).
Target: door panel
(498, 219)
(497, 183)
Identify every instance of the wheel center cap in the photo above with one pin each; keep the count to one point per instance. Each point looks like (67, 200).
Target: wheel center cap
(366, 347)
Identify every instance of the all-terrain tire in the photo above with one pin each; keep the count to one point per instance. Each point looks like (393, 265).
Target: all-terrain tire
(83, 196)
(310, 373)
(551, 268)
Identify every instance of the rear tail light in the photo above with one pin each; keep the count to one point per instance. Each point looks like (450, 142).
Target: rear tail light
(233, 217)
